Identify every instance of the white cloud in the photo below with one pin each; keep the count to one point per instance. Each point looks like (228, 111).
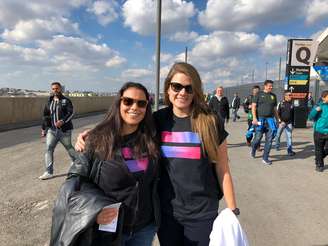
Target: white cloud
(13, 11)
(65, 54)
(31, 30)
(317, 11)
(106, 11)
(165, 57)
(140, 16)
(221, 44)
(136, 73)
(275, 45)
(249, 14)
(18, 55)
(115, 61)
(184, 36)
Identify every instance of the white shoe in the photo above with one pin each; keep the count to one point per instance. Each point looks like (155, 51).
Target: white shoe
(45, 176)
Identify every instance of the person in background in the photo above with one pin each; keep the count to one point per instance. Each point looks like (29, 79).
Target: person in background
(285, 110)
(265, 116)
(219, 104)
(309, 102)
(235, 105)
(57, 127)
(248, 109)
(319, 114)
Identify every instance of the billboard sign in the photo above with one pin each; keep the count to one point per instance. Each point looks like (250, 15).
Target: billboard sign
(298, 81)
(303, 52)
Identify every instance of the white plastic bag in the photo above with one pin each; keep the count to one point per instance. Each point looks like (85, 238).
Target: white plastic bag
(227, 230)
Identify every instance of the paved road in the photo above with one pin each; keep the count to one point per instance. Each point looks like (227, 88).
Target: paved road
(282, 204)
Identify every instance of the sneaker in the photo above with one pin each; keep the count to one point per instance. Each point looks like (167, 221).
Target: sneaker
(267, 162)
(46, 175)
(291, 153)
(319, 168)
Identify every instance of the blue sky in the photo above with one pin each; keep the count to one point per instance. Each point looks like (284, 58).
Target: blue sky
(99, 45)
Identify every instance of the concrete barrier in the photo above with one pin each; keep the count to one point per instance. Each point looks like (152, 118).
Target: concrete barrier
(17, 112)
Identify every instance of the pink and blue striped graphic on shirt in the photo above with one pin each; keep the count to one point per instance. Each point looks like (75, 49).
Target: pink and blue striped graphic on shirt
(132, 164)
(186, 152)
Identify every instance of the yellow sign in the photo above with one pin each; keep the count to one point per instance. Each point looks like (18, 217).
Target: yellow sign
(298, 82)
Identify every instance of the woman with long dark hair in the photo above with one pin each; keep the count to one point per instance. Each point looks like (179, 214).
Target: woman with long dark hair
(120, 158)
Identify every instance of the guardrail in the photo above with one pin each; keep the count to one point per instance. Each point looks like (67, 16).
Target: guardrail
(18, 112)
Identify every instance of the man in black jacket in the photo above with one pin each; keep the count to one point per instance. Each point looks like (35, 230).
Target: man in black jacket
(220, 105)
(286, 118)
(57, 127)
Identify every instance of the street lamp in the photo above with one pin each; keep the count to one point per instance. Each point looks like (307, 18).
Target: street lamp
(158, 51)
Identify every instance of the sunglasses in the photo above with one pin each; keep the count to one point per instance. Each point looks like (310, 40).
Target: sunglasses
(127, 101)
(177, 87)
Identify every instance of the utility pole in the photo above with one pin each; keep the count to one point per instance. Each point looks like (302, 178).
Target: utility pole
(279, 76)
(158, 51)
(186, 54)
(266, 70)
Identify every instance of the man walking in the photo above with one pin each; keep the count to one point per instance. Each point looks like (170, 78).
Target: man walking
(57, 127)
(219, 104)
(285, 110)
(264, 117)
(235, 104)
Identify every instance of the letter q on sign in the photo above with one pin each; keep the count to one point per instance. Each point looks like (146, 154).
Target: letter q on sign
(303, 52)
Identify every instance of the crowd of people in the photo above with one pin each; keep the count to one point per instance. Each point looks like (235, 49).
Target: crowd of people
(165, 172)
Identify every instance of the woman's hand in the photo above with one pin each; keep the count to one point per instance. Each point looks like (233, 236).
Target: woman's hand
(80, 141)
(107, 215)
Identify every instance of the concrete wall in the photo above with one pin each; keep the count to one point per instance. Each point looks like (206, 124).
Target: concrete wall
(18, 112)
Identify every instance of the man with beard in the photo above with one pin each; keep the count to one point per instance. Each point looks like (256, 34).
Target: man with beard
(265, 118)
(57, 127)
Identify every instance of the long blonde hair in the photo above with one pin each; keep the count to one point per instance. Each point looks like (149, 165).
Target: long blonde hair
(203, 121)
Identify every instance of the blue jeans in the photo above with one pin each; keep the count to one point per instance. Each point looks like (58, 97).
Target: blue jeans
(52, 138)
(287, 128)
(143, 237)
(269, 133)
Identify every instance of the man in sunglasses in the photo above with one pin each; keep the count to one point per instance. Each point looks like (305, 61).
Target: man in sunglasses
(219, 104)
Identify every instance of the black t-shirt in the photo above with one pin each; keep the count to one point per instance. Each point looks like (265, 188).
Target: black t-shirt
(265, 104)
(143, 169)
(187, 186)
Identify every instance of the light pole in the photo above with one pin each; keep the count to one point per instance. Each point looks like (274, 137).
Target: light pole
(158, 51)
(279, 76)
(186, 54)
(266, 70)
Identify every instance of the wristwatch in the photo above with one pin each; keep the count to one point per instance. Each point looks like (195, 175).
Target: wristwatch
(236, 211)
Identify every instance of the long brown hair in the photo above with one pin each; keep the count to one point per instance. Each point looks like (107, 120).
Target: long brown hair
(202, 120)
(106, 139)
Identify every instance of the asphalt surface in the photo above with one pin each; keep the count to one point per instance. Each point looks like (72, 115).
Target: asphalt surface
(282, 204)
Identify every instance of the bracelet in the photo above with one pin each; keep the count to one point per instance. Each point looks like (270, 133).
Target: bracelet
(236, 211)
